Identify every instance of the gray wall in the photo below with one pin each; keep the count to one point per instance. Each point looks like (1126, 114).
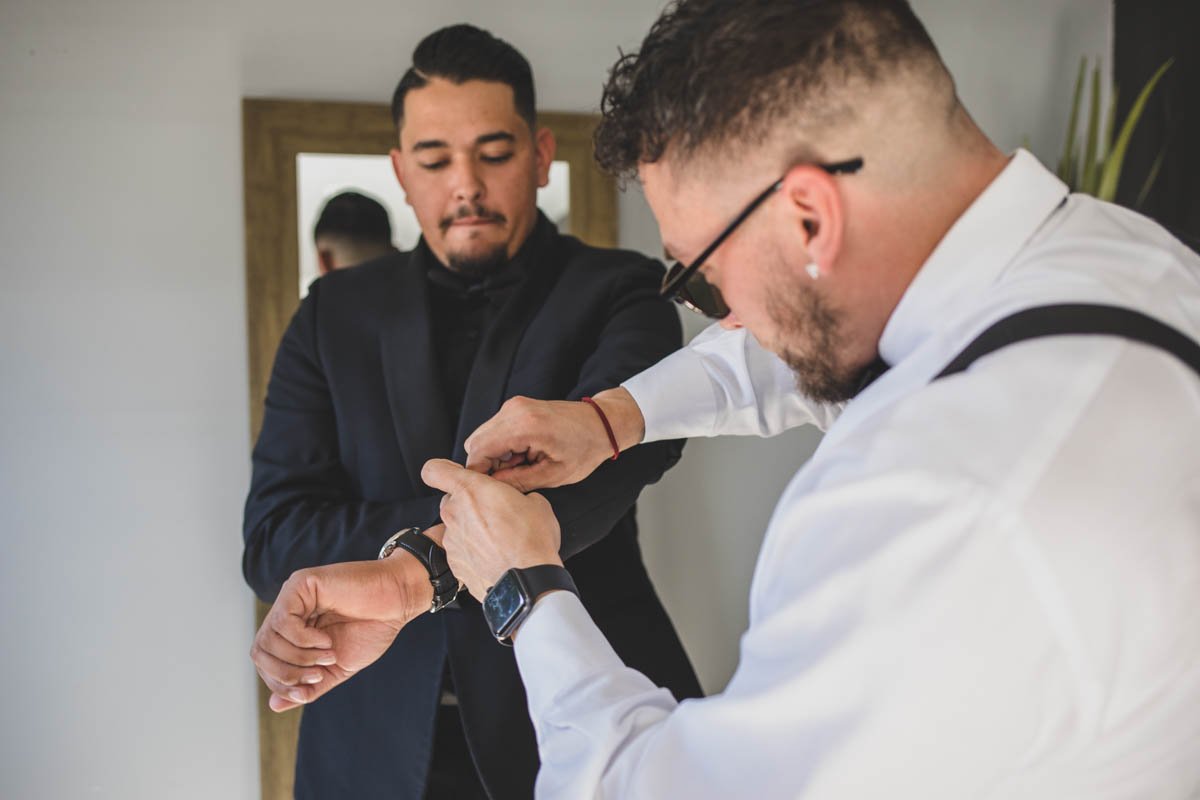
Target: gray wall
(123, 418)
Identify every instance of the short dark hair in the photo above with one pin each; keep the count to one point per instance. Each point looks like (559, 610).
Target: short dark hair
(355, 217)
(461, 53)
(711, 72)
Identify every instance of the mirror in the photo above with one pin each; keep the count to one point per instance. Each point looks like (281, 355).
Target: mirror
(320, 176)
(295, 155)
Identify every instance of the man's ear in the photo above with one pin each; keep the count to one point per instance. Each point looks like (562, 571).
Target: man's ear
(545, 146)
(816, 202)
(325, 261)
(398, 168)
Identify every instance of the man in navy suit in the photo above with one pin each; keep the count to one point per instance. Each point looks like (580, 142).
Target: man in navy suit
(396, 362)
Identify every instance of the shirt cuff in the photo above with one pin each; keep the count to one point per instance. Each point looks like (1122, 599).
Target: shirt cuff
(675, 397)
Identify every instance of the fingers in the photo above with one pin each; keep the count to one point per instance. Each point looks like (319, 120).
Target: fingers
(527, 477)
(483, 464)
(278, 704)
(445, 475)
(295, 604)
(511, 430)
(270, 643)
(289, 672)
(295, 630)
(280, 676)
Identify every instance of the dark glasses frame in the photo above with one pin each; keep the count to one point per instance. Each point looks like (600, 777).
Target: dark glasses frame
(686, 286)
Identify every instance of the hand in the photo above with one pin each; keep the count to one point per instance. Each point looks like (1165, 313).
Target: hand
(538, 444)
(490, 527)
(330, 622)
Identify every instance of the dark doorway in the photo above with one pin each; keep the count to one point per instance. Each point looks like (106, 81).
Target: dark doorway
(1147, 33)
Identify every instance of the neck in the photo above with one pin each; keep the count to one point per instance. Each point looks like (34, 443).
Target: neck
(903, 230)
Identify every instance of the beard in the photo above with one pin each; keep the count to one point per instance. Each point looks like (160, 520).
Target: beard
(477, 266)
(474, 266)
(812, 342)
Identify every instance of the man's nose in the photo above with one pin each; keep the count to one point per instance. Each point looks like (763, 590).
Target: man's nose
(466, 186)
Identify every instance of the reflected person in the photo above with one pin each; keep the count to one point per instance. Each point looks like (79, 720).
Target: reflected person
(351, 229)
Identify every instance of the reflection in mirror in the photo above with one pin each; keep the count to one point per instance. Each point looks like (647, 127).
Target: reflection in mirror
(320, 176)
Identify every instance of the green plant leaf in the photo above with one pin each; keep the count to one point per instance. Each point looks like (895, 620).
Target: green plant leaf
(1067, 163)
(1149, 182)
(1110, 123)
(1111, 174)
(1089, 179)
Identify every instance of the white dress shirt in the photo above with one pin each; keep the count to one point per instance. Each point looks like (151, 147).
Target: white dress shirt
(984, 586)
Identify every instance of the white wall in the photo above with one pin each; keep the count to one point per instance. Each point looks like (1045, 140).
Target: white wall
(123, 414)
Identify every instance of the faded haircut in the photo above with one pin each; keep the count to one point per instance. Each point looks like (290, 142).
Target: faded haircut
(714, 72)
(356, 218)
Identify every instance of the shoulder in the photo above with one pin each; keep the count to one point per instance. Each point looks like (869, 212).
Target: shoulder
(362, 279)
(362, 289)
(1098, 252)
(587, 262)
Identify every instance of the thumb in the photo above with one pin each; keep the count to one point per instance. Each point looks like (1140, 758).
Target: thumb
(443, 474)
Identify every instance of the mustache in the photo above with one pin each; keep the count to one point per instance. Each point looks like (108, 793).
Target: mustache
(464, 211)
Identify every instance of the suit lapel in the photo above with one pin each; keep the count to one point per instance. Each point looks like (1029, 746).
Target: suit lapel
(414, 386)
(487, 384)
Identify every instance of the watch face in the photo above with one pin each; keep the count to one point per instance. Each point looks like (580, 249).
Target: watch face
(503, 604)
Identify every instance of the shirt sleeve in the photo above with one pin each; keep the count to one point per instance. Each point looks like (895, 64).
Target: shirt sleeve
(723, 383)
(301, 510)
(867, 670)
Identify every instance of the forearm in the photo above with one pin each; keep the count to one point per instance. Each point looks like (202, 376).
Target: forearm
(283, 535)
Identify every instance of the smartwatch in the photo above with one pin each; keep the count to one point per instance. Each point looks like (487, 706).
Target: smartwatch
(508, 603)
(432, 557)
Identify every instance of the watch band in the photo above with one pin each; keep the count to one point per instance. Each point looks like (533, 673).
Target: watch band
(432, 557)
(509, 602)
(547, 577)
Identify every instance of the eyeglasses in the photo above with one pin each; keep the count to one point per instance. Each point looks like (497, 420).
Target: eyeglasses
(686, 286)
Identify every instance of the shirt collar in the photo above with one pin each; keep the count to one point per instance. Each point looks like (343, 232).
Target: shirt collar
(973, 253)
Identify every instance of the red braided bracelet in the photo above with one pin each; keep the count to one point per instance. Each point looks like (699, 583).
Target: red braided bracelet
(612, 439)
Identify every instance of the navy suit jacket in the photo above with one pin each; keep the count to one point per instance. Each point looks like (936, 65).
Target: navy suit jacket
(353, 411)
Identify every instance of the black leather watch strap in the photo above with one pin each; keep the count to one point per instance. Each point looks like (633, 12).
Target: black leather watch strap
(432, 557)
(546, 578)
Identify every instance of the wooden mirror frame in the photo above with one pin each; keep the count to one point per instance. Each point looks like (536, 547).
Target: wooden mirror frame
(274, 132)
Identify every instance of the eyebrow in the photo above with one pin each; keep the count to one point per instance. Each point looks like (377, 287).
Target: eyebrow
(435, 144)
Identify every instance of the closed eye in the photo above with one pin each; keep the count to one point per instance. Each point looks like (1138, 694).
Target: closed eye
(497, 159)
(433, 166)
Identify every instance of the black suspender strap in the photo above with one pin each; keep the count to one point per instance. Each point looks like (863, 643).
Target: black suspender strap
(1077, 318)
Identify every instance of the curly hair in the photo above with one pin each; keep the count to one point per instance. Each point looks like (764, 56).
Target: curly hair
(713, 72)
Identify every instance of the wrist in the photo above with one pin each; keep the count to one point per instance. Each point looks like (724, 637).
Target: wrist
(509, 602)
(412, 583)
(624, 416)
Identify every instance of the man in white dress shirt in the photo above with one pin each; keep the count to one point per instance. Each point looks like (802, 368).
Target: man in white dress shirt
(986, 581)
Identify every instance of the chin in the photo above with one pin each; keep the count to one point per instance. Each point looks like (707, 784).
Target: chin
(477, 261)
